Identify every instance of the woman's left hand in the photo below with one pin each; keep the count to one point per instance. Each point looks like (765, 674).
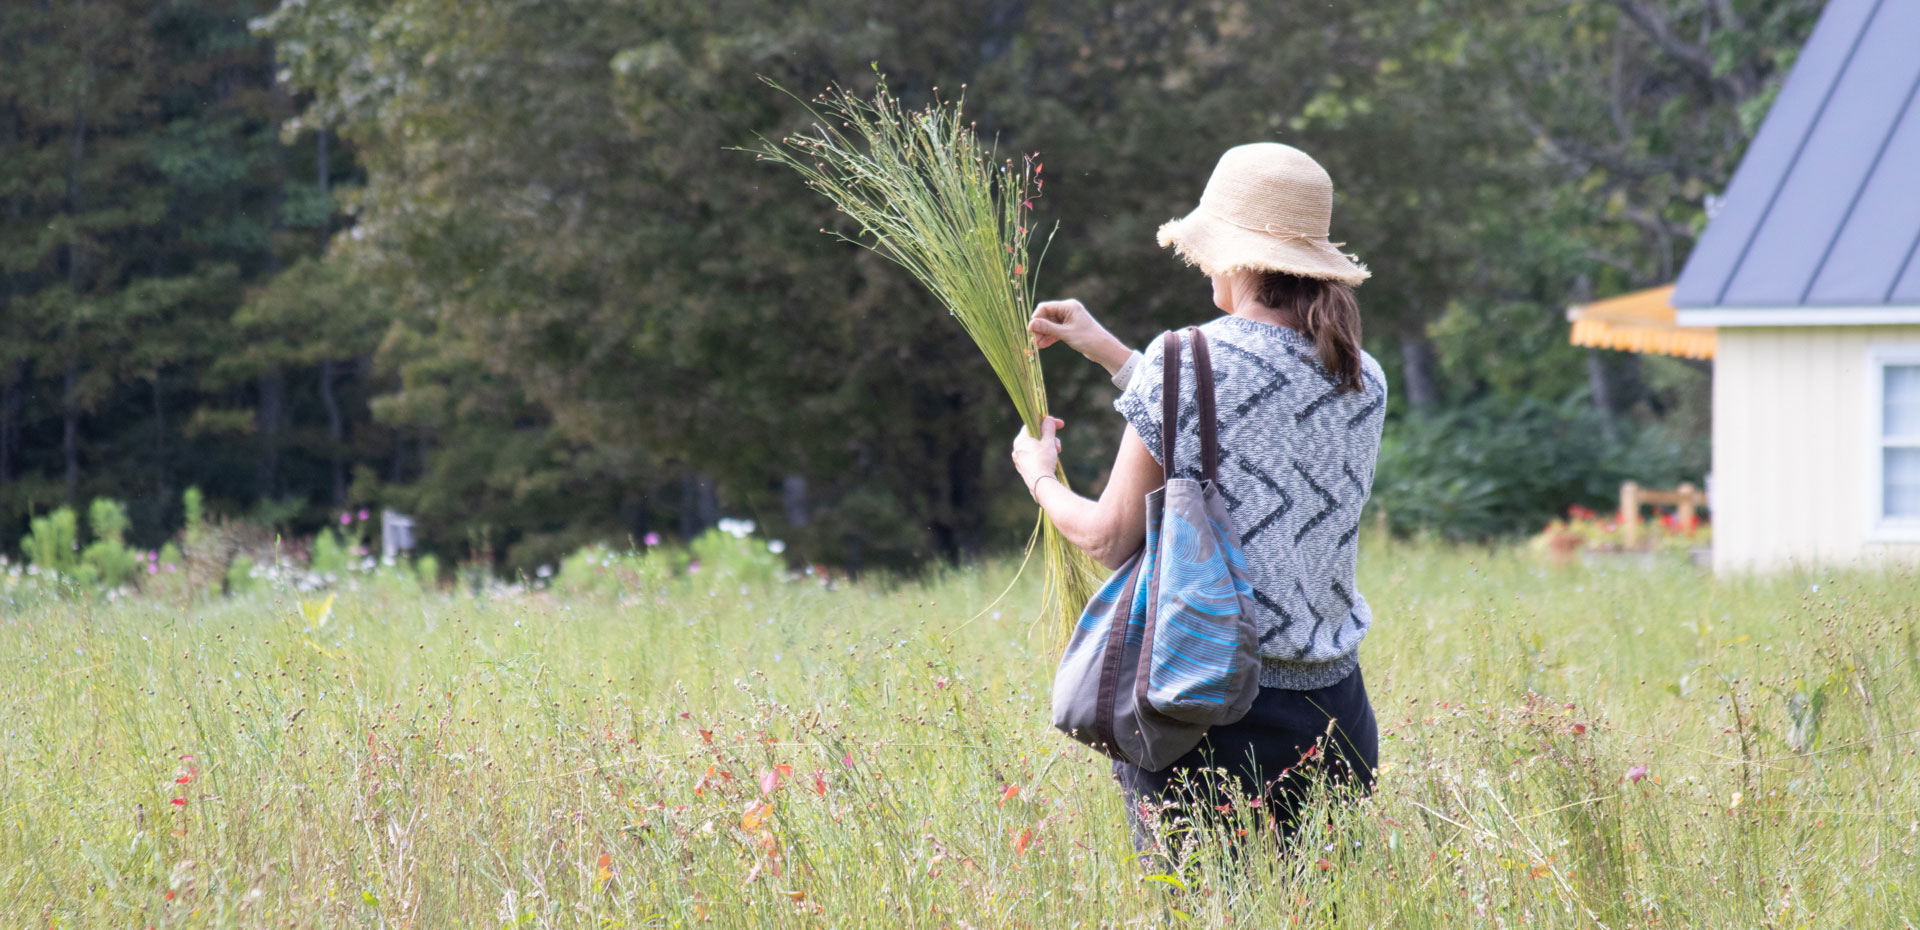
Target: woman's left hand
(1035, 458)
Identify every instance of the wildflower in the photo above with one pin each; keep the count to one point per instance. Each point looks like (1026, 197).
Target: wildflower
(363, 513)
(1013, 791)
(345, 518)
(768, 782)
(940, 684)
(700, 787)
(1635, 773)
(820, 782)
(1021, 842)
(178, 802)
(776, 546)
(604, 871)
(651, 539)
(755, 815)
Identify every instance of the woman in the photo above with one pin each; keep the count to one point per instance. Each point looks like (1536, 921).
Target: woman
(1299, 406)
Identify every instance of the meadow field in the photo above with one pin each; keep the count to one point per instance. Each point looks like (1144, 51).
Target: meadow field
(1563, 746)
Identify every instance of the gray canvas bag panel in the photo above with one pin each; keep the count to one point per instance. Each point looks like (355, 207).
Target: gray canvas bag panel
(1167, 647)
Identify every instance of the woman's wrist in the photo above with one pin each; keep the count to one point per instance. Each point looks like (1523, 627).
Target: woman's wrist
(1033, 485)
(1109, 352)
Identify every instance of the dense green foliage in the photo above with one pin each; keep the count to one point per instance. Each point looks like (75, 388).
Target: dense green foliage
(1491, 467)
(492, 263)
(1563, 747)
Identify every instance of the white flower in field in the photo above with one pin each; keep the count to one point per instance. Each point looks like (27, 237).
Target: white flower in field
(738, 529)
(776, 546)
(544, 571)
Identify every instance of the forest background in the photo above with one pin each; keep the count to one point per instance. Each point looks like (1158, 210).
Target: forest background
(493, 263)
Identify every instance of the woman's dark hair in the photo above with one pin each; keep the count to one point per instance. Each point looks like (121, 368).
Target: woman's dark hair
(1326, 313)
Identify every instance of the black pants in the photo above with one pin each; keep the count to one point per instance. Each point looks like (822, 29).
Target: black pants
(1286, 741)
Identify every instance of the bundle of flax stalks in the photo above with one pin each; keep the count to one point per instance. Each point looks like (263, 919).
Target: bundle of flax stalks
(930, 198)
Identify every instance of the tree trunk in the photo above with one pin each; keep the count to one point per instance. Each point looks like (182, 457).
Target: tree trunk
(335, 432)
(267, 418)
(70, 431)
(325, 181)
(70, 396)
(159, 441)
(793, 499)
(1420, 373)
(9, 421)
(394, 471)
(699, 505)
(1600, 383)
(960, 535)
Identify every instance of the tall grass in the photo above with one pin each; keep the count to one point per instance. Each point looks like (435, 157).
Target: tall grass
(723, 753)
(926, 195)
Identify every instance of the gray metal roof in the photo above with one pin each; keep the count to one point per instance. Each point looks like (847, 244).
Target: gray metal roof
(1824, 209)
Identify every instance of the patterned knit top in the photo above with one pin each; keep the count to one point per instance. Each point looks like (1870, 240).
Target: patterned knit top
(1296, 466)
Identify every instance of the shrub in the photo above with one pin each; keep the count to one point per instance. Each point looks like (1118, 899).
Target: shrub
(52, 542)
(240, 579)
(329, 556)
(601, 569)
(107, 559)
(1501, 467)
(730, 551)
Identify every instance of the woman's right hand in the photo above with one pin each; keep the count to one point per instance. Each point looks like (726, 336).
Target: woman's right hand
(1068, 321)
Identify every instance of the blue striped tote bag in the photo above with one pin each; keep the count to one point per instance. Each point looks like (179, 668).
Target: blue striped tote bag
(1167, 647)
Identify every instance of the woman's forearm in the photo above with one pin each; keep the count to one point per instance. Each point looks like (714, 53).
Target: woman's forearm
(1109, 353)
(1081, 521)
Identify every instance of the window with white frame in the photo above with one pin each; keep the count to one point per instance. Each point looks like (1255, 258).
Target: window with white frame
(1895, 417)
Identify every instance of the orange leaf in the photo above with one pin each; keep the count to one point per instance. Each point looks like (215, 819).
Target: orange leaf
(1013, 791)
(706, 737)
(756, 814)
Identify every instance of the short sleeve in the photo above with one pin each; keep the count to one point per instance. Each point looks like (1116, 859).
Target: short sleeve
(1140, 402)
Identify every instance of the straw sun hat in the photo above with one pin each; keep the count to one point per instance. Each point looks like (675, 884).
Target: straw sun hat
(1266, 208)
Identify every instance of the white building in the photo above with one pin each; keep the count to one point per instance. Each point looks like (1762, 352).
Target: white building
(1810, 273)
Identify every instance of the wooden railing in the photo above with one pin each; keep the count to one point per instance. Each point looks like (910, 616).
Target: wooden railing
(1686, 498)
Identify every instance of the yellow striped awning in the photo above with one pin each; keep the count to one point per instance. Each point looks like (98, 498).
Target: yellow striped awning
(1639, 322)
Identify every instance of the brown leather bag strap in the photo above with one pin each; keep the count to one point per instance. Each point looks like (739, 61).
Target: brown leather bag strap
(1203, 395)
(1169, 401)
